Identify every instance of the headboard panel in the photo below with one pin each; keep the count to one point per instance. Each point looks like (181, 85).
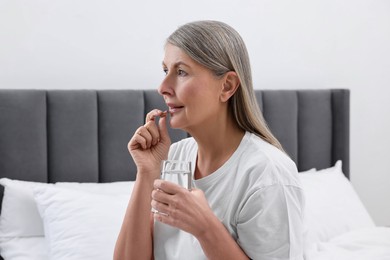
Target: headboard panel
(72, 129)
(82, 135)
(312, 125)
(280, 110)
(23, 135)
(314, 122)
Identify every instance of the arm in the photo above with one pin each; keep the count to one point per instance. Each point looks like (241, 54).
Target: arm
(148, 146)
(217, 243)
(136, 231)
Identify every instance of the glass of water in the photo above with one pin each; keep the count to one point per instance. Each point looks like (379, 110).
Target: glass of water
(178, 172)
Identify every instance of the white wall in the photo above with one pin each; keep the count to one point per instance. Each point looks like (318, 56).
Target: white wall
(293, 44)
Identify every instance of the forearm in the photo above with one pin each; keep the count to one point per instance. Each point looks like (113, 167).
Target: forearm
(135, 239)
(217, 243)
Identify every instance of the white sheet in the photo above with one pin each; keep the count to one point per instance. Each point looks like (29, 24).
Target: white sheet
(361, 244)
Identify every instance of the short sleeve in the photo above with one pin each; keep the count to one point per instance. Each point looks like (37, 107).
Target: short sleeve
(270, 223)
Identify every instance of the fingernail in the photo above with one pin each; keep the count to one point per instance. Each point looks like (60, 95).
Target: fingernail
(157, 184)
(163, 114)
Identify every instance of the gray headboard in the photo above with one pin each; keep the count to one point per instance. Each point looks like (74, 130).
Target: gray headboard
(82, 135)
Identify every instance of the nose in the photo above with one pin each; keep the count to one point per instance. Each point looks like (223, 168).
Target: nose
(166, 87)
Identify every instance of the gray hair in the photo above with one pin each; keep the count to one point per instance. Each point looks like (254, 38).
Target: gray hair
(218, 47)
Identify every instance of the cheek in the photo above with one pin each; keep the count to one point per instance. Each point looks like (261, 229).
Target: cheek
(193, 92)
(202, 90)
(190, 93)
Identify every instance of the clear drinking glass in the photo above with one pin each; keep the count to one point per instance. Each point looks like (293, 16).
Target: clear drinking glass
(178, 172)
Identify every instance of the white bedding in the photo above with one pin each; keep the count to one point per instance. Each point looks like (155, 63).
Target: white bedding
(23, 248)
(72, 221)
(76, 221)
(361, 244)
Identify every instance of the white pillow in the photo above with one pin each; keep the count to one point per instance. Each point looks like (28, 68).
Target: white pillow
(119, 187)
(308, 171)
(332, 205)
(18, 202)
(20, 218)
(24, 248)
(19, 214)
(80, 225)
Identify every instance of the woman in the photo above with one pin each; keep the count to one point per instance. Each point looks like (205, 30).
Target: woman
(247, 201)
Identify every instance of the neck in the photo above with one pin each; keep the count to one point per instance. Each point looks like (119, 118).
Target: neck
(216, 143)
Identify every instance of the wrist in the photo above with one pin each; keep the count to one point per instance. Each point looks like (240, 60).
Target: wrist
(149, 169)
(211, 230)
(147, 176)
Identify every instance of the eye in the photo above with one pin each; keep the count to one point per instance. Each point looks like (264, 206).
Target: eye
(165, 71)
(181, 72)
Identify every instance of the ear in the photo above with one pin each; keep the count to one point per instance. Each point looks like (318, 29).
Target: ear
(231, 83)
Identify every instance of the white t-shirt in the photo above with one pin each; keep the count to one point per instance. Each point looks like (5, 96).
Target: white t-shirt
(256, 194)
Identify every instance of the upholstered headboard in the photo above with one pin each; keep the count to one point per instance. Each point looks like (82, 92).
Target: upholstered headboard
(82, 135)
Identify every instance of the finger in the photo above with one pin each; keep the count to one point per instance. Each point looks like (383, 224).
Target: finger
(141, 138)
(154, 132)
(168, 187)
(163, 218)
(145, 133)
(160, 196)
(159, 207)
(162, 126)
(137, 141)
(152, 115)
(172, 219)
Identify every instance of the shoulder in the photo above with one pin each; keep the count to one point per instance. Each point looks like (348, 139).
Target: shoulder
(271, 202)
(266, 165)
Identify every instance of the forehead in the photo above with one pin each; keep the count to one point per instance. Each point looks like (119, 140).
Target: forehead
(174, 55)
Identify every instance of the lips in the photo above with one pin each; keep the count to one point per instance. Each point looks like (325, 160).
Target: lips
(174, 108)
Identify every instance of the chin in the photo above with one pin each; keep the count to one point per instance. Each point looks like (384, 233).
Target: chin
(176, 124)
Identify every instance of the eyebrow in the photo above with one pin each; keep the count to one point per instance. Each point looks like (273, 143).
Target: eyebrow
(177, 64)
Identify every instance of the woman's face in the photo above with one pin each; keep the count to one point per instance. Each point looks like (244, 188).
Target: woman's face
(191, 91)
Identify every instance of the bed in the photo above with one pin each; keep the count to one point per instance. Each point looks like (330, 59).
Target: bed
(66, 175)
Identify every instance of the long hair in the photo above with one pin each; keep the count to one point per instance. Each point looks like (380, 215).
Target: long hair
(220, 48)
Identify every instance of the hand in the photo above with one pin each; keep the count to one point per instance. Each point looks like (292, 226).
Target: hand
(150, 144)
(185, 209)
